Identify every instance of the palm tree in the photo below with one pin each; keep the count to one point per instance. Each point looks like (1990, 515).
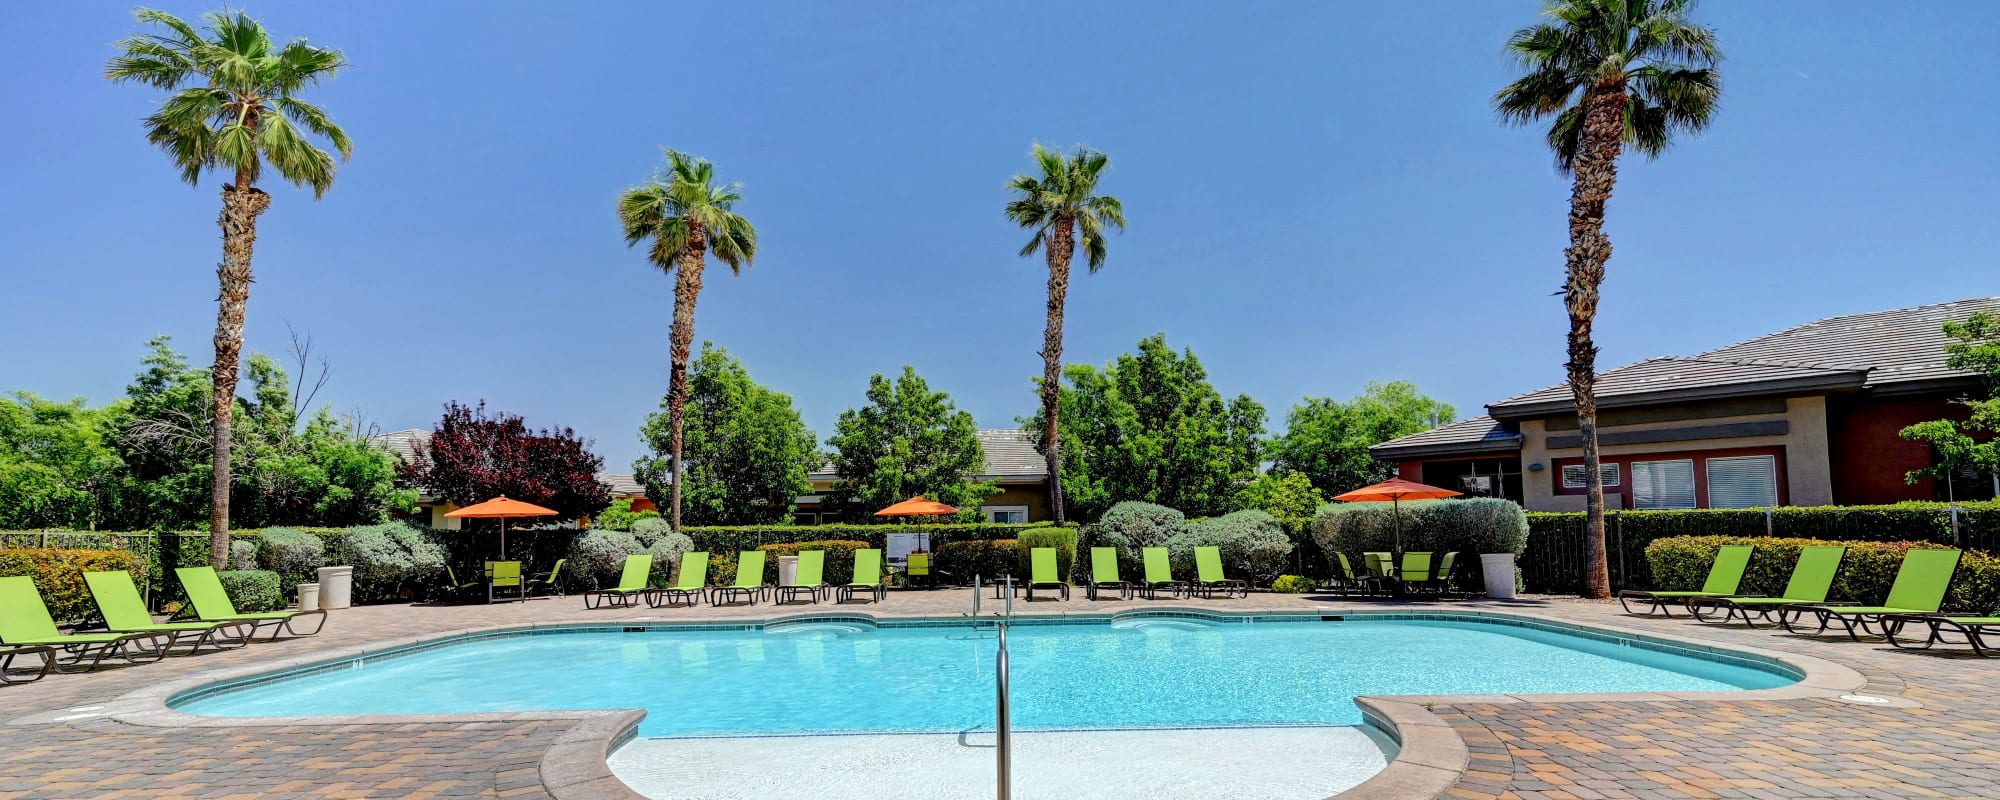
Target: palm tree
(233, 106)
(686, 214)
(1612, 74)
(1061, 205)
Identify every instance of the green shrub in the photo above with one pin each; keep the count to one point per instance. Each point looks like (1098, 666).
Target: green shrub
(294, 554)
(1294, 584)
(990, 559)
(1062, 539)
(242, 554)
(729, 539)
(391, 561)
(599, 556)
(649, 530)
(1682, 563)
(253, 591)
(1472, 526)
(620, 516)
(667, 549)
(58, 573)
(839, 558)
(1133, 525)
(1252, 544)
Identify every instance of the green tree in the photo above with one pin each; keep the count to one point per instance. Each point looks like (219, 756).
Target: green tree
(1064, 210)
(1967, 444)
(748, 451)
(1149, 426)
(1289, 497)
(1610, 74)
(684, 214)
(907, 441)
(55, 469)
(324, 473)
(233, 106)
(1327, 440)
(160, 433)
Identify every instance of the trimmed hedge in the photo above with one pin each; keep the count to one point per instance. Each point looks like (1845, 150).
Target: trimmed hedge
(253, 591)
(990, 559)
(1062, 539)
(292, 553)
(1252, 544)
(1471, 527)
(1682, 562)
(839, 558)
(58, 573)
(730, 539)
(391, 561)
(666, 550)
(599, 556)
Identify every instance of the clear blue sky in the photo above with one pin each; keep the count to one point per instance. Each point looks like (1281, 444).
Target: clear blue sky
(1319, 196)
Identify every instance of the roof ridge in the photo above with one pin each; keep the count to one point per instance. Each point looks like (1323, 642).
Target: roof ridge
(1779, 362)
(1825, 320)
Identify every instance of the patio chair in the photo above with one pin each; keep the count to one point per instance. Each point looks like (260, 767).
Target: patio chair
(632, 584)
(123, 611)
(506, 574)
(25, 624)
(211, 604)
(1160, 574)
(1208, 575)
(1347, 581)
(1416, 569)
(749, 583)
(454, 589)
(1812, 578)
(1918, 591)
(690, 585)
(1042, 573)
(10, 674)
(867, 577)
(552, 581)
(808, 577)
(1725, 574)
(1380, 563)
(1104, 574)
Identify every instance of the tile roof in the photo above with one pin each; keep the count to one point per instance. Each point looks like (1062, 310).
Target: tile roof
(1010, 453)
(1881, 350)
(1463, 436)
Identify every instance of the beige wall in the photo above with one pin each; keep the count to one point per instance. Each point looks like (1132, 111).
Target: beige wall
(1808, 470)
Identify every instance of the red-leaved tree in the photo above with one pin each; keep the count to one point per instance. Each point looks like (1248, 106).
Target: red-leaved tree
(472, 457)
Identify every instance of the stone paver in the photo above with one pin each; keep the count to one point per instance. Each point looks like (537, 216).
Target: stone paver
(1947, 745)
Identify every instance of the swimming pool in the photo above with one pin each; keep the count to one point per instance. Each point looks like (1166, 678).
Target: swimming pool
(841, 677)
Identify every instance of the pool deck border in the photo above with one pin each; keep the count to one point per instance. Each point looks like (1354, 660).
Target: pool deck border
(1430, 759)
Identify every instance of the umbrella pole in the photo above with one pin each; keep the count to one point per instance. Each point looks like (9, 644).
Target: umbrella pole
(1397, 504)
(503, 539)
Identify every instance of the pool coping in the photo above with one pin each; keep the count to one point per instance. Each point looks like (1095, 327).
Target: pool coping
(1430, 759)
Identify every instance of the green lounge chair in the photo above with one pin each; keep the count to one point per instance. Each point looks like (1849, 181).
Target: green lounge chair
(749, 583)
(211, 604)
(10, 674)
(454, 589)
(1208, 575)
(1973, 629)
(25, 623)
(632, 585)
(551, 581)
(1725, 574)
(809, 577)
(1381, 564)
(505, 575)
(1919, 589)
(691, 585)
(1104, 574)
(867, 577)
(123, 611)
(1042, 573)
(1160, 574)
(1812, 578)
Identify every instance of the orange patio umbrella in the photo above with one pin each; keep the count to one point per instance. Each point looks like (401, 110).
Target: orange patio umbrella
(1395, 490)
(917, 507)
(501, 508)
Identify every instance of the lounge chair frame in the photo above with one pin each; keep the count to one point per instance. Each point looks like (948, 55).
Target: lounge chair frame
(1052, 580)
(1928, 574)
(871, 560)
(84, 651)
(1972, 630)
(10, 675)
(1104, 574)
(810, 572)
(118, 602)
(1725, 576)
(633, 584)
(203, 588)
(1207, 559)
(694, 592)
(717, 595)
(1159, 568)
(1812, 579)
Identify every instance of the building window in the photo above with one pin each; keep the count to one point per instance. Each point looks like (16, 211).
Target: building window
(1573, 475)
(1005, 513)
(1742, 482)
(1663, 484)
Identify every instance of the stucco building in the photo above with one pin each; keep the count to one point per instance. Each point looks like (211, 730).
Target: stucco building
(1806, 416)
(1011, 461)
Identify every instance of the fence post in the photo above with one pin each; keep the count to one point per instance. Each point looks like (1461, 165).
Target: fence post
(1618, 530)
(1956, 539)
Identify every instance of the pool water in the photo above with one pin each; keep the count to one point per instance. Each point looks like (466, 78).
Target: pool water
(852, 678)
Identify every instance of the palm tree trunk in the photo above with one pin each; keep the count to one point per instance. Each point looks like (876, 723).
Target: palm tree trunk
(1060, 246)
(241, 204)
(1596, 169)
(687, 285)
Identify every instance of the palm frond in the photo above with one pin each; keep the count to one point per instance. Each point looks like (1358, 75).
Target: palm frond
(1064, 193)
(296, 159)
(683, 197)
(1034, 243)
(314, 119)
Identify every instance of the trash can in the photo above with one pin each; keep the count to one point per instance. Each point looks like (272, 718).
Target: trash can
(1499, 569)
(788, 570)
(308, 597)
(336, 587)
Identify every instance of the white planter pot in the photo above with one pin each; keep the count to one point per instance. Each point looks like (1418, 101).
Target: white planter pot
(308, 597)
(336, 587)
(788, 570)
(1499, 569)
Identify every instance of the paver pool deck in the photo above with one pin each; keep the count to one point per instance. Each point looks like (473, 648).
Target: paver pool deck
(1938, 734)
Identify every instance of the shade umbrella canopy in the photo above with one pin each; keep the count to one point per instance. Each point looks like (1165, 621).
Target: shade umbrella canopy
(501, 508)
(1393, 491)
(917, 507)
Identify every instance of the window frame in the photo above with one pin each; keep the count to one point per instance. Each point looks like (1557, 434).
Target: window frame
(1708, 476)
(1695, 475)
(989, 511)
(1612, 479)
